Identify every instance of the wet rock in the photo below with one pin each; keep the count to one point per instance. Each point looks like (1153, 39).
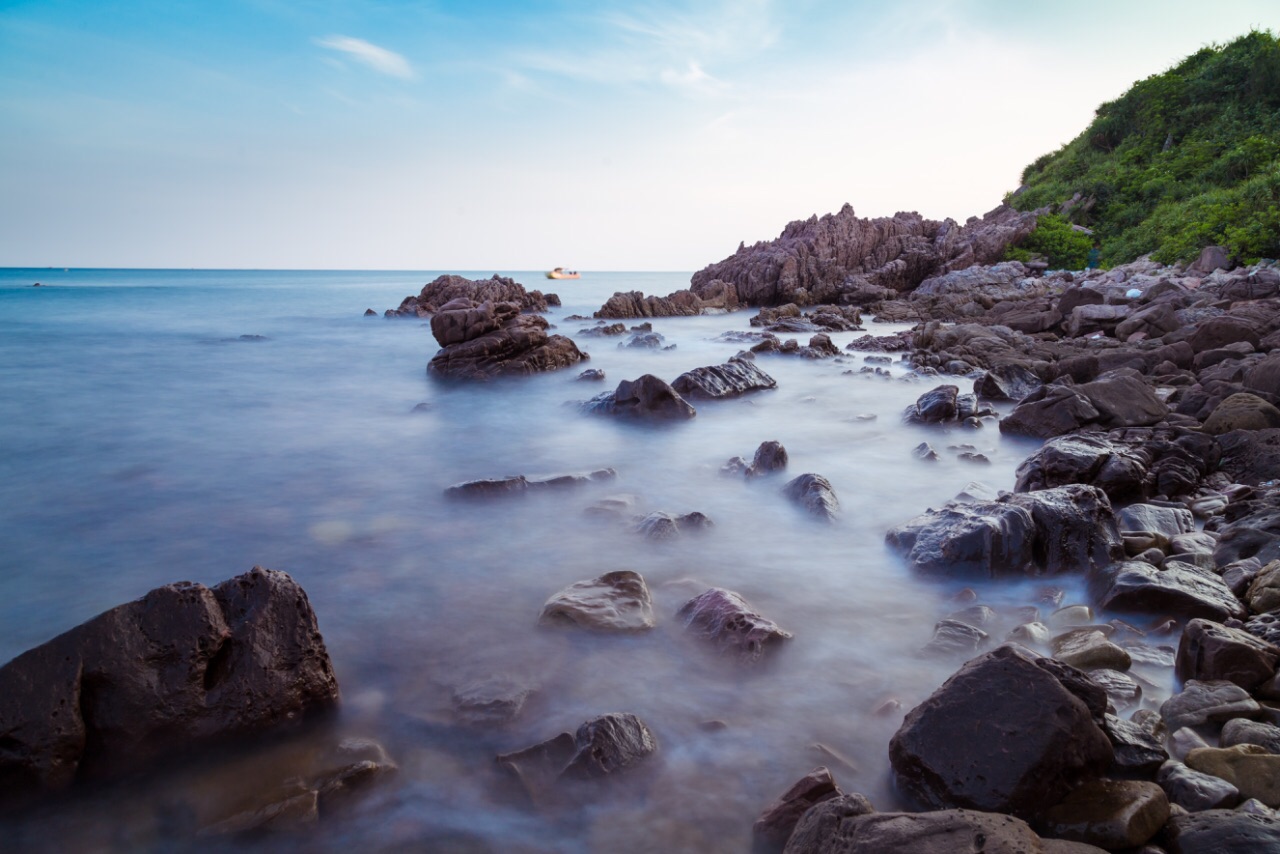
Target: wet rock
(659, 526)
(591, 375)
(953, 637)
(1210, 651)
(1122, 689)
(733, 378)
(616, 602)
(648, 340)
(848, 826)
(729, 622)
(602, 746)
(491, 701)
(1089, 649)
(1248, 767)
(1108, 813)
(778, 819)
(813, 493)
(714, 298)
(500, 487)
(1222, 832)
(183, 665)
(1179, 589)
(1011, 382)
(1194, 790)
(1183, 741)
(1207, 702)
(1075, 528)
(1030, 634)
(1168, 521)
(1138, 747)
(488, 340)
(1243, 731)
(1051, 411)
(1263, 594)
(1071, 615)
(924, 451)
(438, 293)
(771, 456)
(645, 397)
(1265, 626)
(935, 406)
(1019, 755)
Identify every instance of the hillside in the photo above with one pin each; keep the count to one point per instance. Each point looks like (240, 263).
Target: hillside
(1183, 160)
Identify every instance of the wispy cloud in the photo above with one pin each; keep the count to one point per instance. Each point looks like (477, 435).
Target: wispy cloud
(693, 80)
(378, 58)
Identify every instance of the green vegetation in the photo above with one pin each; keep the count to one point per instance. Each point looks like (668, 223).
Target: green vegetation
(1062, 246)
(1183, 160)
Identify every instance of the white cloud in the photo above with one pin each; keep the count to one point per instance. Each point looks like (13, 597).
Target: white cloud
(378, 58)
(693, 80)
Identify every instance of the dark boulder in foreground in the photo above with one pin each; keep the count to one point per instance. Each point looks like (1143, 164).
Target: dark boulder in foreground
(181, 665)
(1009, 732)
(727, 620)
(735, 377)
(645, 397)
(482, 341)
(778, 819)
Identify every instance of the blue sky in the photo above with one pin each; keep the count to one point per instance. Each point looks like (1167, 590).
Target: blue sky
(598, 135)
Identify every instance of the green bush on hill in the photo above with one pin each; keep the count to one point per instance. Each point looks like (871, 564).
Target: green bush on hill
(1183, 160)
(1062, 246)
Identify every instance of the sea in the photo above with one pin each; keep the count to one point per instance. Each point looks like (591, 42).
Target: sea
(186, 425)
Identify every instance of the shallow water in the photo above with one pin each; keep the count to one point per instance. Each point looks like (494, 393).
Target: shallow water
(143, 441)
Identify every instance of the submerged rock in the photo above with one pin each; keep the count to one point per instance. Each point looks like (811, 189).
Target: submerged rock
(727, 620)
(183, 665)
(602, 746)
(644, 397)
(814, 493)
(733, 378)
(778, 819)
(617, 601)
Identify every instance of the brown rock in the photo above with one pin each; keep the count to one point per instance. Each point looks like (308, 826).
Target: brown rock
(1108, 813)
(779, 818)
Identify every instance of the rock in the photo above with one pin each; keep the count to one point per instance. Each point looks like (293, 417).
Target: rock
(716, 297)
(1086, 459)
(602, 746)
(660, 526)
(645, 397)
(1222, 832)
(1263, 594)
(840, 826)
(728, 621)
(1019, 755)
(647, 340)
(1169, 521)
(1179, 589)
(1251, 456)
(935, 406)
(183, 665)
(1207, 702)
(1211, 258)
(734, 378)
(813, 493)
(491, 701)
(1210, 651)
(1029, 634)
(482, 342)
(500, 487)
(924, 451)
(1217, 332)
(1195, 791)
(1108, 813)
(771, 456)
(820, 260)
(1137, 748)
(1123, 399)
(1248, 767)
(953, 637)
(1243, 731)
(1089, 649)
(1007, 382)
(437, 294)
(1183, 741)
(1242, 411)
(591, 375)
(1050, 531)
(616, 602)
(778, 819)
(1051, 411)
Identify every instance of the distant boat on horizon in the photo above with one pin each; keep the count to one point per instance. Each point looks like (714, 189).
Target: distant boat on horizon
(562, 273)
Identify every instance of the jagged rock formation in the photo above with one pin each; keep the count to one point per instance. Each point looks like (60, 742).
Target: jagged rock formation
(842, 255)
(445, 289)
(712, 298)
(487, 340)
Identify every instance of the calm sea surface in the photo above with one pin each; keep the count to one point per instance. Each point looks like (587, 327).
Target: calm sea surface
(144, 440)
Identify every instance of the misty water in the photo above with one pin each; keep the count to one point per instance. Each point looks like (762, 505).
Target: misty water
(144, 441)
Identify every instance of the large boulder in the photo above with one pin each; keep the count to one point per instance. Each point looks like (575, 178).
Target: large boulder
(1242, 411)
(1009, 732)
(1210, 651)
(645, 397)
(1180, 589)
(184, 664)
(1067, 528)
(488, 340)
(1085, 458)
(446, 289)
(734, 378)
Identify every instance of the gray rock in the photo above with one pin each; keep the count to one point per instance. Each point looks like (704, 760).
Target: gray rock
(1243, 731)
(1179, 589)
(813, 493)
(1195, 791)
(1222, 832)
(644, 397)
(617, 601)
(732, 379)
(1207, 702)
(1137, 748)
(1169, 521)
(1210, 651)
(727, 620)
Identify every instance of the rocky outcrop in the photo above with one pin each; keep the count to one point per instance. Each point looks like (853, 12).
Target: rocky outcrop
(824, 259)
(645, 397)
(445, 289)
(1009, 732)
(181, 666)
(733, 378)
(482, 341)
(712, 298)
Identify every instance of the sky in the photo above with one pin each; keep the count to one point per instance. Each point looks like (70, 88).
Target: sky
(388, 134)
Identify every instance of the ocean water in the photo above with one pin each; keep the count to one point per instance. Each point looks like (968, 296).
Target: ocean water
(160, 425)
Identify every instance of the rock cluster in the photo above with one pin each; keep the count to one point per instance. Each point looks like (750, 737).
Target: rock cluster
(445, 289)
(485, 340)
